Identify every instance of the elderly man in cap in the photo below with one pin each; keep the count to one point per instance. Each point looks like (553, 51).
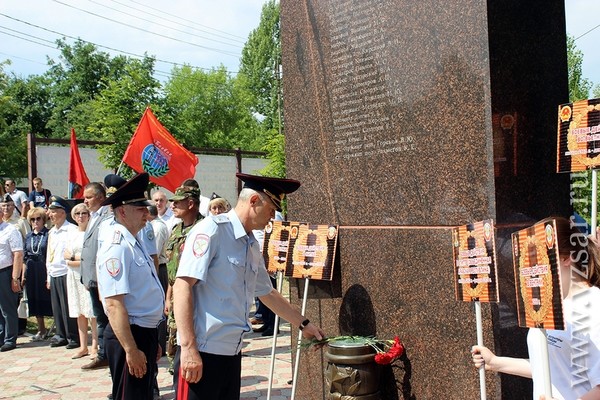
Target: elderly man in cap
(11, 215)
(11, 263)
(131, 292)
(56, 266)
(220, 273)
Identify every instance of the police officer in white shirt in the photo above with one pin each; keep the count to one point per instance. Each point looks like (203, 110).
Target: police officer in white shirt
(131, 292)
(220, 272)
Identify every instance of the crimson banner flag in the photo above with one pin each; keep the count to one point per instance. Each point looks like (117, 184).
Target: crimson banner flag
(77, 176)
(154, 150)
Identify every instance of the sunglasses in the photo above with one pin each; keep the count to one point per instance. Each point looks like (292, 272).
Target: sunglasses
(82, 213)
(35, 219)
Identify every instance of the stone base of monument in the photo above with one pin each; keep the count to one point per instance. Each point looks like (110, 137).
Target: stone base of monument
(351, 372)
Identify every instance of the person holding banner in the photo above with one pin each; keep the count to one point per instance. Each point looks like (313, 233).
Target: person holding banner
(220, 272)
(574, 353)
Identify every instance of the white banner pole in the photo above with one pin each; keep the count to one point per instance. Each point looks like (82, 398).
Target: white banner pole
(482, 389)
(540, 340)
(296, 365)
(275, 332)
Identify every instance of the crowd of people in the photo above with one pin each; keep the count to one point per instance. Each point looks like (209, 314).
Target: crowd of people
(172, 276)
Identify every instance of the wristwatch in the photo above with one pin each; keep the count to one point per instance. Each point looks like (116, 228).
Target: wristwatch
(304, 323)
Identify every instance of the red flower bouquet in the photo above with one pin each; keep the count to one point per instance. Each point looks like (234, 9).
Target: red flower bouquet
(386, 350)
(395, 350)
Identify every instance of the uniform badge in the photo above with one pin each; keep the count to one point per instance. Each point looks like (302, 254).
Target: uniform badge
(200, 244)
(150, 234)
(117, 237)
(113, 266)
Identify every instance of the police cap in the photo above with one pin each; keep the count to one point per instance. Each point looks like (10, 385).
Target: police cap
(274, 188)
(113, 182)
(130, 193)
(59, 202)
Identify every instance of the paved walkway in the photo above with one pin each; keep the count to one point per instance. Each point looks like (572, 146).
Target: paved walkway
(34, 370)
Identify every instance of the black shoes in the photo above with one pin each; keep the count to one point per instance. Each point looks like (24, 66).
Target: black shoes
(8, 347)
(72, 345)
(269, 332)
(58, 342)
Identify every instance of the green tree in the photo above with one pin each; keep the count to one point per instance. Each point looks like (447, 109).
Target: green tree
(259, 66)
(116, 110)
(13, 159)
(579, 87)
(209, 109)
(24, 108)
(78, 76)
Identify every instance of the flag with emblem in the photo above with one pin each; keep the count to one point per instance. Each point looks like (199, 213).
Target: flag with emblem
(77, 176)
(154, 150)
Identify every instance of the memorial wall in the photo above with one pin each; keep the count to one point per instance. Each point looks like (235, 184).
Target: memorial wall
(402, 120)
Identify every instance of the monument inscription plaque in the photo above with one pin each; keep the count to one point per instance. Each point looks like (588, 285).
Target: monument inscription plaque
(388, 119)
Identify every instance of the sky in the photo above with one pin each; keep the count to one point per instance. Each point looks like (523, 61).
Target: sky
(201, 33)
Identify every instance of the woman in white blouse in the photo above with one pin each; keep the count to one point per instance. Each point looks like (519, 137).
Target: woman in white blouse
(80, 305)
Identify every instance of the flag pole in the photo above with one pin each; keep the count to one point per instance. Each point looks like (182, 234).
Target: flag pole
(119, 169)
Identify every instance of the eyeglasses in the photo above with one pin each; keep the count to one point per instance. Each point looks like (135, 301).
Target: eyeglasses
(35, 219)
(82, 213)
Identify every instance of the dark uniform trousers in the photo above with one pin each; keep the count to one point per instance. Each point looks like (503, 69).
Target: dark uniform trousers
(125, 385)
(221, 378)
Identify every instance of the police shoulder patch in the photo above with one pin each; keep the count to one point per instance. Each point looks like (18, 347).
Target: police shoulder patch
(113, 266)
(200, 245)
(150, 234)
(221, 218)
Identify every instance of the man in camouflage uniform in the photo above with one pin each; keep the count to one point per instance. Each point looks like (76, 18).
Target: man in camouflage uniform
(185, 205)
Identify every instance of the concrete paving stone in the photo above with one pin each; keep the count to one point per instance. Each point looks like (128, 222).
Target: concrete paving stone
(35, 371)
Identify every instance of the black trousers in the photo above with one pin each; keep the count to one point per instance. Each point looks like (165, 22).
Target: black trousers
(66, 327)
(126, 386)
(163, 277)
(101, 320)
(221, 378)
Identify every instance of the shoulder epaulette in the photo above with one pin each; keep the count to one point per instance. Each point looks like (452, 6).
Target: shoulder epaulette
(221, 218)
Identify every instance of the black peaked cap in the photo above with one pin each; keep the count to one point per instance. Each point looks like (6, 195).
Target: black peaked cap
(274, 188)
(132, 192)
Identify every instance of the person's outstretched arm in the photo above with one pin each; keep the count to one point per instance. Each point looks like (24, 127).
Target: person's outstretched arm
(506, 365)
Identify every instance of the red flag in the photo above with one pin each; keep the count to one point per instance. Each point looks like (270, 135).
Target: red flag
(77, 176)
(154, 150)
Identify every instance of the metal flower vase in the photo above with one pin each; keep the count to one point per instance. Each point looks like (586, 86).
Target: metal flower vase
(351, 371)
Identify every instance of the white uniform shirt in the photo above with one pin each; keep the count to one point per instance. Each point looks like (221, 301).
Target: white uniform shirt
(161, 234)
(230, 269)
(124, 267)
(147, 238)
(10, 241)
(169, 218)
(58, 239)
